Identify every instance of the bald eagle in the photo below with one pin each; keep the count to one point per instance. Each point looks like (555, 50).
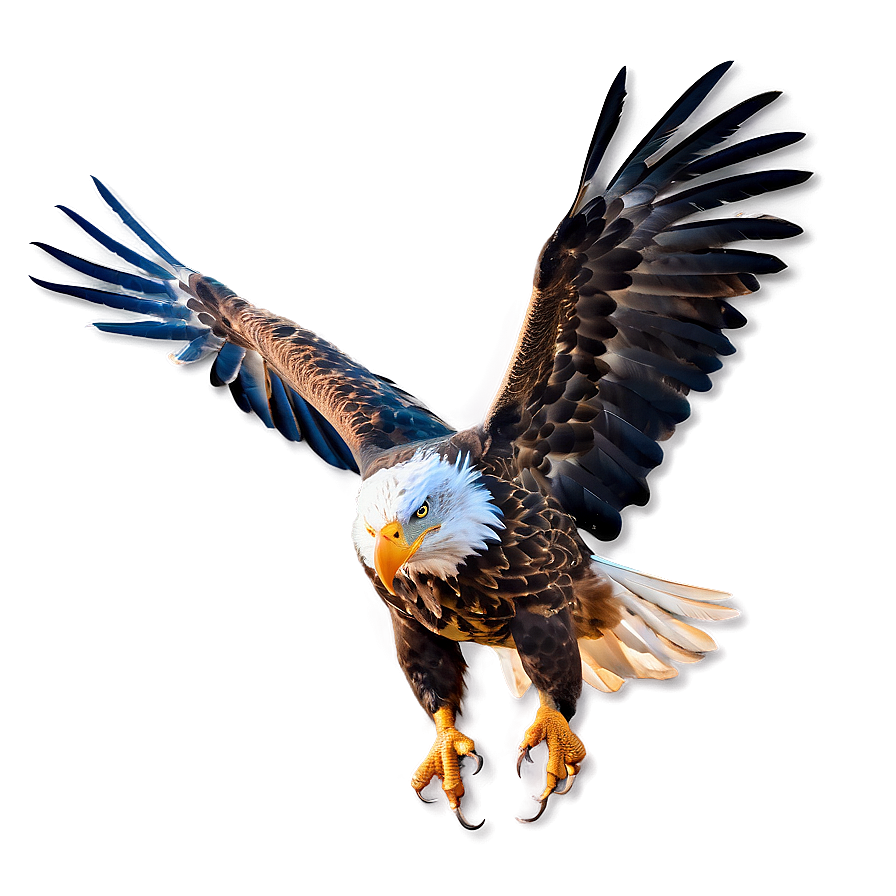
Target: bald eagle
(476, 535)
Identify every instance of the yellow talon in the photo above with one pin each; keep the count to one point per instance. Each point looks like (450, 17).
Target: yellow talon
(443, 762)
(565, 752)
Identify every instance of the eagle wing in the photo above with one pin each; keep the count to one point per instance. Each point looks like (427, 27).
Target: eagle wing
(289, 377)
(630, 303)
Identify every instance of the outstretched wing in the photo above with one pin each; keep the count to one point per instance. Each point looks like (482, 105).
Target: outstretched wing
(629, 306)
(289, 377)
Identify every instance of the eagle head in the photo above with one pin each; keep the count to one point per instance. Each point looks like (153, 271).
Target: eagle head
(426, 515)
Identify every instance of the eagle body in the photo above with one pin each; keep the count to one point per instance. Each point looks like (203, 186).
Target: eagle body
(531, 588)
(477, 534)
(538, 563)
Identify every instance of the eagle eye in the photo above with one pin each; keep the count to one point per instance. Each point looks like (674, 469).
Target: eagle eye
(422, 510)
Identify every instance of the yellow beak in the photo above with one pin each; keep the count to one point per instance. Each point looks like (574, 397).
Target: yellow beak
(392, 551)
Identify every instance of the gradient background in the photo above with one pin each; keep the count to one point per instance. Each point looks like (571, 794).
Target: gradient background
(177, 714)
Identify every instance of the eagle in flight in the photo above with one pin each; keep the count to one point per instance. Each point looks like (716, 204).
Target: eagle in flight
(474, 535)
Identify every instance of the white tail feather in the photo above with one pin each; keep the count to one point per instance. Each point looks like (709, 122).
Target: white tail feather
(665, 624)
(676, 653)
(600, 678)
(605, 653)
(514, 673)
(682, 600)
(646, 664)
(659, 643)
(648, 638)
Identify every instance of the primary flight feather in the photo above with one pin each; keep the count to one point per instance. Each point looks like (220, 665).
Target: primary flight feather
(474, 535)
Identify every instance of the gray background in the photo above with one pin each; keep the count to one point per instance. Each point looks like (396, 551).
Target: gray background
(175, 714)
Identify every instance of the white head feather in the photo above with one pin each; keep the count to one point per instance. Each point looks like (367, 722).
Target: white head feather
(458, 501)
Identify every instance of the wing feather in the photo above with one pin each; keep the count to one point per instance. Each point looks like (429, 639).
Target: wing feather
(629, 308)
(636, 165)
(292, 380)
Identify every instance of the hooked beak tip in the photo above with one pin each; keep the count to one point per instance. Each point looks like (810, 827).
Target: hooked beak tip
(391, 552)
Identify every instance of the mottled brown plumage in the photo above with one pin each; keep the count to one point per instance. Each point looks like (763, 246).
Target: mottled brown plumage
(369, 412)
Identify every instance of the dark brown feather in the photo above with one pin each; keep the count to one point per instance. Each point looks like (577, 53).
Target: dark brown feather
(627, 311)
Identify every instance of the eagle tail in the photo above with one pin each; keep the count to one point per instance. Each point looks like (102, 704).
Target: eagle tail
(650, 637)
(177, 303)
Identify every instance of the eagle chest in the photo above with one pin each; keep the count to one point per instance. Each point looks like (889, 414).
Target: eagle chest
(459, 609)
(529, 566)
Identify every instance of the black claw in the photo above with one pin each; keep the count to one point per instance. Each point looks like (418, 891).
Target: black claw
(422, 798)
(524, 754)
(538, 814)
(569, 782)
(464, 822)
(478, 761)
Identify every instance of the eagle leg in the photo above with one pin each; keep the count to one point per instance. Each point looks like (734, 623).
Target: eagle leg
(443, 762)
(434, 667)
(545, 639)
